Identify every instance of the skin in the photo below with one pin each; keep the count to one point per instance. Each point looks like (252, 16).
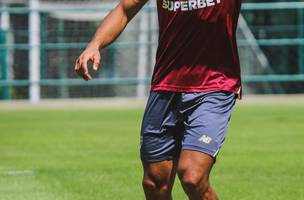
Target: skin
(158, 179)
(193, 168)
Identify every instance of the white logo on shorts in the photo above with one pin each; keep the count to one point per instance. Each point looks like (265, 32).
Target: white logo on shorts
(205, 139)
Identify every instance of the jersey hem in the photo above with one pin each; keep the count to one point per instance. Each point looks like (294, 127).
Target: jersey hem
(155, 88)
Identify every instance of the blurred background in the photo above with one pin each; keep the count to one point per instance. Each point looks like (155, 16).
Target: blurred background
(82, 143)
(41, 39)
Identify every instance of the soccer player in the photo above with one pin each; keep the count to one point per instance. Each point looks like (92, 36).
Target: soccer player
(194, 87)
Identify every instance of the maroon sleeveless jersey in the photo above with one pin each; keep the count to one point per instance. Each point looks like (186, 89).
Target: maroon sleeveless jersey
(197, 49)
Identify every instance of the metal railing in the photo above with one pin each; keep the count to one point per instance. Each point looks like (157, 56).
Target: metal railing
(6, 84)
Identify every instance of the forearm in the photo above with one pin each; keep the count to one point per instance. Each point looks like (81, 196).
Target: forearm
(106, 33)
(114, 23)
(110, 28)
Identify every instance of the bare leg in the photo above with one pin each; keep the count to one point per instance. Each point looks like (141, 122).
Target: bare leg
(158, 180)
(193, 170)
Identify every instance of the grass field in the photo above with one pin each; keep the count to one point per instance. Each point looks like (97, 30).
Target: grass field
(93, 155)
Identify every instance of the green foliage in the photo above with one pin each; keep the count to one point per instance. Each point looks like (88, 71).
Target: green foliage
(89, 155)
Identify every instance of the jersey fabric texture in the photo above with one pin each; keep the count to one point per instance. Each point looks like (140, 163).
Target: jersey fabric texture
(197, 49)
(175, 121)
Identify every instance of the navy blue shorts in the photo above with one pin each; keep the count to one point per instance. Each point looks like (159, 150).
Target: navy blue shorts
(176, 121)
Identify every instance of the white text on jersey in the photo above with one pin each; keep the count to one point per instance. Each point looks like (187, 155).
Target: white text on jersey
(188, 4)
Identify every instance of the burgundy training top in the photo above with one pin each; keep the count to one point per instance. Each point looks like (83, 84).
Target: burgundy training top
(197, 49)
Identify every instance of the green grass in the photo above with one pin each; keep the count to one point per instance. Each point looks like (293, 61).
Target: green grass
(93, 155)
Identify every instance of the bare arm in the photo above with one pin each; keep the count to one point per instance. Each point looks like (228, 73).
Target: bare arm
(111, 27)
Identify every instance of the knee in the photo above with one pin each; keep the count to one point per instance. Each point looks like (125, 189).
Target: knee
(148, 185)
(193, 181)
(151, 186)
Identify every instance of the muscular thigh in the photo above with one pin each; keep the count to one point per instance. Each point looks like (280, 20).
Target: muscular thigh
(195, 164)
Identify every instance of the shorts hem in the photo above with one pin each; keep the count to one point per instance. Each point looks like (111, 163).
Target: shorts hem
(155, 160)
(202, 150)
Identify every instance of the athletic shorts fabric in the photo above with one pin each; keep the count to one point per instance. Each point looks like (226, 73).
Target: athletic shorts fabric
(178, 121)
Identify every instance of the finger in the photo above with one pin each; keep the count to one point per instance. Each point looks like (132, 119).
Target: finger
(77, 65)
(87, 77)
(85, 70)
(96, 65)
(78, 68)
(96, 62)
(83, 75)
(84, 65)
(80, 73)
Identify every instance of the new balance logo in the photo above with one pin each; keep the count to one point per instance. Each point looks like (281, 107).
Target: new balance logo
(205, 139)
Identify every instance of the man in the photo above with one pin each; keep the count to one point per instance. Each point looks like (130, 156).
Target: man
(194, 87)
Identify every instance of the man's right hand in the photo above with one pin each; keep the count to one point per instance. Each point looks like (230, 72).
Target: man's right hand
(106, 33)
(90, 54)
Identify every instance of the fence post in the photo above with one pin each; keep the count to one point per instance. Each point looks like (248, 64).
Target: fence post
(43, 41)
(64, 90)
(142, 63)
(301, 36)
(34, 52)
(4, 26)
(4, 65)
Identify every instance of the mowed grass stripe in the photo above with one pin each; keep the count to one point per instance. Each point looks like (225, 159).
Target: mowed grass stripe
(86, 155)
